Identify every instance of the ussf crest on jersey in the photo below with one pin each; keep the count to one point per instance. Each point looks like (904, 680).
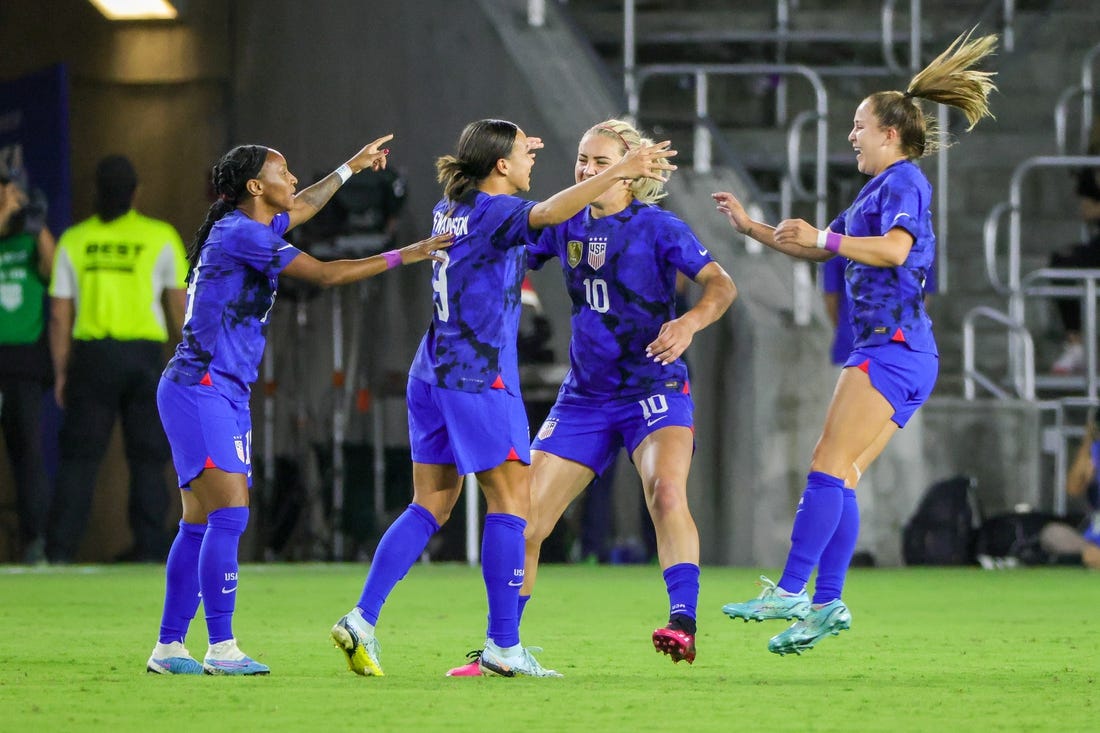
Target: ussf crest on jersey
(573, 252)
(547, 428)
(597, 252)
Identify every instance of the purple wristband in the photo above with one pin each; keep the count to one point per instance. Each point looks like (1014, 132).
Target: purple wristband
(832, 242)
(392, 258)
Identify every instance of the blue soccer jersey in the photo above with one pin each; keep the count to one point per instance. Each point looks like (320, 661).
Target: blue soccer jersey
(887, 303)
(229, 296)
(471, 342)
(620, 271)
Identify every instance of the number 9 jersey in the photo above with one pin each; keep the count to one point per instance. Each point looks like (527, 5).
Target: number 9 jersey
(471, 342)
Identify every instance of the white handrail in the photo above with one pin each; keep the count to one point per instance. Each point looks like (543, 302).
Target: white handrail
(1043, 283)
(781, 35)
(991, 228)
(989, 245)
(820, 114)
(888, 36)
(1087, 91)
(1023, 378)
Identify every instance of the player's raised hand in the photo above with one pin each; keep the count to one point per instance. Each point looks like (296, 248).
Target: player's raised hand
(534, 143)
(372, 156)
(733, 210)
(647, 161)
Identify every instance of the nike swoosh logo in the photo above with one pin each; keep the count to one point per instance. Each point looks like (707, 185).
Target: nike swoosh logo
(655, 420)
(229, 590)
(514, 584)
(703, 251)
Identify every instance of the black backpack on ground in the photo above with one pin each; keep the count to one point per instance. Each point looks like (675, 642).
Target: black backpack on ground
(1016, 535)
(943, 529)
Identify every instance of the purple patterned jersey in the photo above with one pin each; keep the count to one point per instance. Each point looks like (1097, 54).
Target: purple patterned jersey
(229, 295)
(471, 341)
(620, 271)
(887, 303)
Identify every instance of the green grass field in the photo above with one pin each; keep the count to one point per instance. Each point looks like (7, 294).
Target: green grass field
(929, 650)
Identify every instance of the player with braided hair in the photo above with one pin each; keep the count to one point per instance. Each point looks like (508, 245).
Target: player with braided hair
(236, 258)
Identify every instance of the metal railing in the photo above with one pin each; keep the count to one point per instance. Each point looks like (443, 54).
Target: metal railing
(1086, 90)
(1041, 283)
(702, 133)
(781, 36)
(1084, 285)
(791, 186)
(1013, 208)
(1023, 380)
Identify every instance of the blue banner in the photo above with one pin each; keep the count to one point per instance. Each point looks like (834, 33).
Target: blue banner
(34, 138)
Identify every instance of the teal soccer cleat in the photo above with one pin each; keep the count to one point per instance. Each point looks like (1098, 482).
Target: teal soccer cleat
(832, 618)
(771, 603)
(226, 658)
(493, 661)
(173, 659)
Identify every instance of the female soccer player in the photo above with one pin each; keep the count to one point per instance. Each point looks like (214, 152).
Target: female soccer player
(887, 234)
(236, 257)
(627, 385)
(465, 411)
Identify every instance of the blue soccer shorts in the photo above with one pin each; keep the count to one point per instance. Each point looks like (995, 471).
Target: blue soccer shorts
(903, 376)
(473, 431)
(205, 429)
(590, 431)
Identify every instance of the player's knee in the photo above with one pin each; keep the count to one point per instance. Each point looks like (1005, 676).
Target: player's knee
(667, 497)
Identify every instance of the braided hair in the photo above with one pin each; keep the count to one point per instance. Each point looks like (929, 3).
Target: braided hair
(229, 176)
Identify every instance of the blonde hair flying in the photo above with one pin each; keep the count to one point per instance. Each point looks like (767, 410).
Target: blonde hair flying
(948, 79)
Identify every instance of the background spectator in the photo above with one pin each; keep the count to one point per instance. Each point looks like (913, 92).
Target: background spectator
(1085, 254)
(118, 281)
(26, 257)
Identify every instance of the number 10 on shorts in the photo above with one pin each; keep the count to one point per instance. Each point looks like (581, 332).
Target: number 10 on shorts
(653, 405)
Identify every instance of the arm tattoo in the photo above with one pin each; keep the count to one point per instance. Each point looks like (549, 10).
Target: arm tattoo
(319, 193)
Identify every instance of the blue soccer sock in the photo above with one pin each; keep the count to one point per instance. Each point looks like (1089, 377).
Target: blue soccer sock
(218, 569)
(814, 523)
(682, 582)
(522, 605)
(837, 556)
(502, 557)
(397, 552)
(181, 588)
(519, 617)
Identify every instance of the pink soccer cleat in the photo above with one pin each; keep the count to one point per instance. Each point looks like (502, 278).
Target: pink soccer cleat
(675, 643)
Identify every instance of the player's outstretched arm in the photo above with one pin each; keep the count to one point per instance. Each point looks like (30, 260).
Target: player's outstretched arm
(731, 208)
(644, 161)
(309, 201)
(342, 272)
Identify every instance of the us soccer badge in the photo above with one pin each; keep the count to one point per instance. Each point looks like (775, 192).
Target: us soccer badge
(597, 252)
(547, 428)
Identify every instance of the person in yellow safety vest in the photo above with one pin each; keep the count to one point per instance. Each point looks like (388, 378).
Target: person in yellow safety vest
(117, 294)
